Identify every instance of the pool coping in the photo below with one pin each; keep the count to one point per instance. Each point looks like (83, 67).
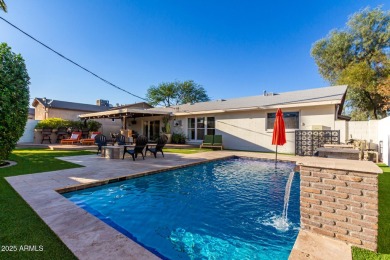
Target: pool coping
(84, 234)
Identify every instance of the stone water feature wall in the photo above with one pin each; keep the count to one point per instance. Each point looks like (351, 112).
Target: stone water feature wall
(339, 199)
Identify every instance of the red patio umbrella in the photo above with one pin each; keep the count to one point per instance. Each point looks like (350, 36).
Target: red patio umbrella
(279, 134)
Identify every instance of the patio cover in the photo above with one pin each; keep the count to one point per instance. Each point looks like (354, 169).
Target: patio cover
(124, 112)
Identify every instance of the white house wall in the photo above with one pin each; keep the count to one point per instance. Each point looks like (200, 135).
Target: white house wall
(384, 136)
(362, 130)
(247, 130)
(28, 134)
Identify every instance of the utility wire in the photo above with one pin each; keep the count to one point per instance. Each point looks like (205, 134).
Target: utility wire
(71, 61)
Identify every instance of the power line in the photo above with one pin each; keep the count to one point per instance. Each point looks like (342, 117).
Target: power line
(71, 61)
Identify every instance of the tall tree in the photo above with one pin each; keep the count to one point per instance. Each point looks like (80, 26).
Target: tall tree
(176, 93)
(14, 99)
(165, 93)
(359, 56)
(3, 6)
(191, 92)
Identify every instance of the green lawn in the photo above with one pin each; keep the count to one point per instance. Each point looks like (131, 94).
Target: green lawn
(20, 225)
(384, 221)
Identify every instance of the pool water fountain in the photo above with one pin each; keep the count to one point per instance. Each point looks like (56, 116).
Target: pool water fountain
(280, 222)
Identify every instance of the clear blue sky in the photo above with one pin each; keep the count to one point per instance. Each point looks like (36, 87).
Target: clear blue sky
(231, 48)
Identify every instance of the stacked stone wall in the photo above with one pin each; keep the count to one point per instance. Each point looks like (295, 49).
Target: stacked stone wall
(340, 204)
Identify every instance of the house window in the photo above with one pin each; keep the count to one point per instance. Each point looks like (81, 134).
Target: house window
(211, 125)
(291, 120)
(191, 128)
(200, 126)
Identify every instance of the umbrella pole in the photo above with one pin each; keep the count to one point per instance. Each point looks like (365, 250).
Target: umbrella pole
(276, 155)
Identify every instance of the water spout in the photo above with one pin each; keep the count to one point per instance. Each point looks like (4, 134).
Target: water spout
(287, 196)
(280, 222)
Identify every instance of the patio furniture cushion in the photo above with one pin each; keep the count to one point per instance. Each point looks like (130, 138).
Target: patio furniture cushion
(75, 138)
(89, 141)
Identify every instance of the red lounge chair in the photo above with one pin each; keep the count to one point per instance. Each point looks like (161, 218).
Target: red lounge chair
(91, 140)
(74, 139)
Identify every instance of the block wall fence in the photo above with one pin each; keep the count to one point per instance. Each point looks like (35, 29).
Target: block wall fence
(342, 202)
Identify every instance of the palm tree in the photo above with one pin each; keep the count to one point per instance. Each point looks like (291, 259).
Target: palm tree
(3, 5)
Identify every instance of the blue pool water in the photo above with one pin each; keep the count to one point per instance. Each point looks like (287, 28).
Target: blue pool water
(228, 209)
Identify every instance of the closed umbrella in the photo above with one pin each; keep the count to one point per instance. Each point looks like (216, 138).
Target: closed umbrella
(279, 134)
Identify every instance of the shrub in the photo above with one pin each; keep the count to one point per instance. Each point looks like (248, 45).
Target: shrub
(53, 123)
(56, 123)
(14, 99)
(93, 125)
(178, 138)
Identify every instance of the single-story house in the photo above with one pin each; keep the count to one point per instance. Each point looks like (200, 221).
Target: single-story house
(51, 108)
(245, 123)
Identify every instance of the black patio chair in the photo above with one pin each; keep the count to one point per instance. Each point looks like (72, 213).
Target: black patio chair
(46, 133)
(100, 140)
(120, 139)
(154, 148)
(62, 133)
(138, 148)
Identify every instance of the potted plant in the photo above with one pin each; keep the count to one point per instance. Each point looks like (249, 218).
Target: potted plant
(167, 127)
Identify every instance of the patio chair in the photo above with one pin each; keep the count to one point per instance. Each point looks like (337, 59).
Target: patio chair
(62, 133)
(207, 141)
(46, 133)
(120, 139)
(217, 141)
(100, 140)
(154, 148)
(138, 148)
(74, 138)
(212, 141)
(91, 140)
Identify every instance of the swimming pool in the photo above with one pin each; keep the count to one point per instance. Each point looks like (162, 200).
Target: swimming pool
(227, 209)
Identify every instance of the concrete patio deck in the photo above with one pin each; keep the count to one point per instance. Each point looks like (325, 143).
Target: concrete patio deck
(85, 235)
(61, 147)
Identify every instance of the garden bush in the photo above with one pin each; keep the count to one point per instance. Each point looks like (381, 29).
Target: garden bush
(14, 99)
(56, 123)
(178, 138)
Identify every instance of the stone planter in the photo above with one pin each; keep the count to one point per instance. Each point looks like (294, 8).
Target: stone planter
(169, 138)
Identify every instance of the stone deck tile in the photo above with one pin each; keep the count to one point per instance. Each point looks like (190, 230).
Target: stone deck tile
(314, 246)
